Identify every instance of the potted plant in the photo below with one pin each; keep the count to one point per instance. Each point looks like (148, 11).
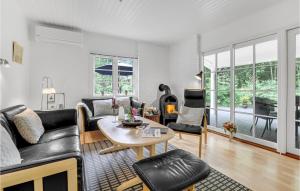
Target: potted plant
(231, 128)
(245, 101)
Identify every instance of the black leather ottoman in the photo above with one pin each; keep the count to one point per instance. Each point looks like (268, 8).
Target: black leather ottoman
(171, 171)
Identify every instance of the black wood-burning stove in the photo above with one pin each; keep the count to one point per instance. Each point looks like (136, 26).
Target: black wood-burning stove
(168, 105)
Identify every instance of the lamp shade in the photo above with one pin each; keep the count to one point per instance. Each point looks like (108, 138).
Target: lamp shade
(48, 91)
(199, 75)
(4, 62)
(47, 86)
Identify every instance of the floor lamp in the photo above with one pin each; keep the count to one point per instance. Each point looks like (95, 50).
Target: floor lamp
(199, 77)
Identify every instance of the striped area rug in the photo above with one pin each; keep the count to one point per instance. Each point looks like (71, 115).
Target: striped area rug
(106, 172)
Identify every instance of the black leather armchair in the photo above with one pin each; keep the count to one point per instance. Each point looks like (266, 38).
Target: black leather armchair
(193, 98)
(59, 145)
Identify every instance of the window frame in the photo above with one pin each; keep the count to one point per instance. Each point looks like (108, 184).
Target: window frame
(115, 76)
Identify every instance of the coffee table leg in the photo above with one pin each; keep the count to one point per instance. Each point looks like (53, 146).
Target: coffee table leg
(112, 149)
(151, 149)
(132, 182)
(139, 153)
(166, 146)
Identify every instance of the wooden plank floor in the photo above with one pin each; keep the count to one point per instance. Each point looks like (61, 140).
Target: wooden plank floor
(256, 168)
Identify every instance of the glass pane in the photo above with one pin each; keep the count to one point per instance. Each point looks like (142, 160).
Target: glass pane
(266, 100)
(224, 100)
(298, 88)
(297, 123)
(212, 99)
(212, 118)
(298, 77)
(243, 57)
(102, 61)
(103, 83)
(266, 76)
(244, 123)
(297, 133)
(207, 80)
(266, 52)
(125, 73)
(244, 101)
(126, 84)
(210, 63)
(266, 128)
(223, 79)
(243, 79)
(223, 61)
(207, 99)
(223, 116)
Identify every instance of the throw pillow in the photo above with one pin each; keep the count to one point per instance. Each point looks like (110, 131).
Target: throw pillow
(190, 116)
(9, 152)
(29, 126)
(123, 101)
(103, 107)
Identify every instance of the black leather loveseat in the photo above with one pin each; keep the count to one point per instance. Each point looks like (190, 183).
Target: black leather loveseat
(90, 123)
(59, 142)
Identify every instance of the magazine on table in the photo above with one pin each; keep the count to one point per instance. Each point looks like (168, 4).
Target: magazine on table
(151, 132)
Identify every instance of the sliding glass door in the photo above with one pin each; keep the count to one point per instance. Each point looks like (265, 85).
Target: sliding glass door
(293, 127)
(244, 88)
(217, 72)
(256, 89)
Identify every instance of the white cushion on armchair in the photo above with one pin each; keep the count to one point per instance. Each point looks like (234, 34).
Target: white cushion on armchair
(190, 116)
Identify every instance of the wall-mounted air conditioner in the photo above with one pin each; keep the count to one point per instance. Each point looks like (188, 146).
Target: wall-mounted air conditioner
(54, 35)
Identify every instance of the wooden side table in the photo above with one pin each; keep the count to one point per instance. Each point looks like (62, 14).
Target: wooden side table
(155, 118)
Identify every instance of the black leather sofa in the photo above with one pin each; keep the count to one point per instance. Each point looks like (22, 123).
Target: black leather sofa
(59, 142)
(90, 123)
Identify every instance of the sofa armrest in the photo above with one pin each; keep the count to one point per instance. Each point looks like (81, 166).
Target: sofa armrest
(72, 163)
(57, 118)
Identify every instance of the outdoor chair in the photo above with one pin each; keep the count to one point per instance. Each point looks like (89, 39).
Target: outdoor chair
(265, 110)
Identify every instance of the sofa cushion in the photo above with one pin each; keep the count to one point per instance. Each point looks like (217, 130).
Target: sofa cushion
(57, 118)
(103, 107)
(9, 113)
(9, 152)
(194, 129)
(123, 101)
(89, 102)
(59, 133)
(29, 125)
(50, 149)
(5, 124)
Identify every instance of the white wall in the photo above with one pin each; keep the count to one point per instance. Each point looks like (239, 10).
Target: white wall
(183, 62)
(70, 67)
(267, 21)
(154, 70)
(184, 65)
(14, 80)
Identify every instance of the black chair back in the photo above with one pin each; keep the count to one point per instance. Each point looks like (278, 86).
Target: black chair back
(263, 106)
(194, 98)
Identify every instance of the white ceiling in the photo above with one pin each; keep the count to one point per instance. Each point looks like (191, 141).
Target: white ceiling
(163, 21)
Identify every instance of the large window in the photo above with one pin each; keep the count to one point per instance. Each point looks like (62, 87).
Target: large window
(248, 97)
(114, 76)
